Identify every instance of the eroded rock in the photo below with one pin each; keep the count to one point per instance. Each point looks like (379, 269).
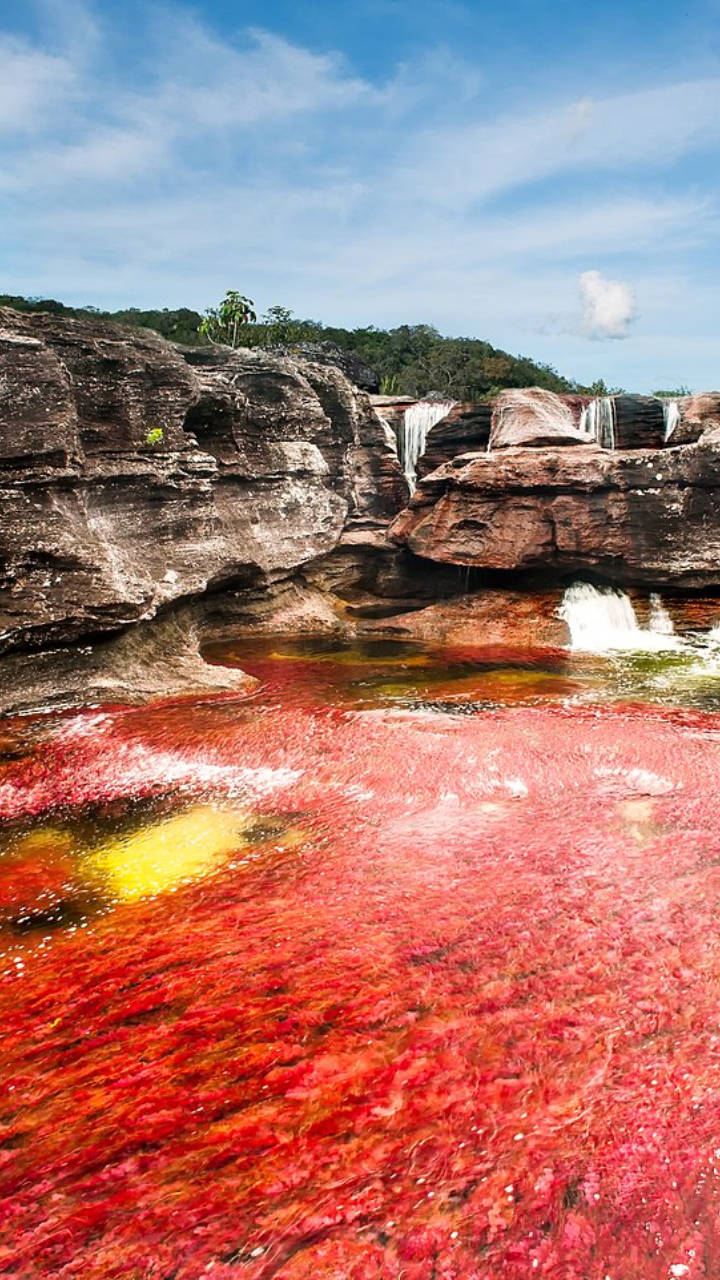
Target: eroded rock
(132, 477)
(648, 516)
(533, 417)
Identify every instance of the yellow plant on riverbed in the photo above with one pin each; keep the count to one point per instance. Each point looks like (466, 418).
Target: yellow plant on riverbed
(170, 853)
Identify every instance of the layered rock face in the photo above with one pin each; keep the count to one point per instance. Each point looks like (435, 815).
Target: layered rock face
(465, 429)
(639, 422)
(133, 475)
(650, 516)
(327, 353)
(698, 416)
(533, 417)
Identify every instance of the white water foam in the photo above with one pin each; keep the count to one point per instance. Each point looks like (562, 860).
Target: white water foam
(417, 421)
(598, 421)
(603, 620)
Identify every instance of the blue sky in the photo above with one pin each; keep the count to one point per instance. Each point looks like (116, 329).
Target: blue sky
(545, 176)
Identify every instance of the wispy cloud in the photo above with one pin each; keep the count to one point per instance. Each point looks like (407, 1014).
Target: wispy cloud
(32, 84)
(647, 129)
(170, 169)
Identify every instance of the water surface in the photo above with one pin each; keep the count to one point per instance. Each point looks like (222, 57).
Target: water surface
(404, 966)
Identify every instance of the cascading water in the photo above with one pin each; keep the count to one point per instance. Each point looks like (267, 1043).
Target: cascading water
(597, 421)
(602, 620)
(416, 423)
(660, 621)
(671, 416)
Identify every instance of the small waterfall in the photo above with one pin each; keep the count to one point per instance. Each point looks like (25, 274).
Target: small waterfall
(597, 421)
(601, 620)
(660, 621)
(416, 423)
(671, 417)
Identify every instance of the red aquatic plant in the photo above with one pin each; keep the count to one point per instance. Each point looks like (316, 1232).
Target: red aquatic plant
(454, 1014)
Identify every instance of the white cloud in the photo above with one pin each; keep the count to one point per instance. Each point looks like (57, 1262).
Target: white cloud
(608, 306)
(33, 84)
(164, 167)
(649, 128)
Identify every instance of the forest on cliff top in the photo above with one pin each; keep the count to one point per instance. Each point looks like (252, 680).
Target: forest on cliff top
(411, 359)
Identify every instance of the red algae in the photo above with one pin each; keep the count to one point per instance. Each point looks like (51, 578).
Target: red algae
(452, 1010)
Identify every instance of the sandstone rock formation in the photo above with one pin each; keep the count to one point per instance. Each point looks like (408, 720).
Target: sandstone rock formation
(537, 418)
(465, 429)
(132, 476)
(639, 422)
(156, 660)
(209, 487)
(649, 516)
(699, 417)
(533, 417)
(348, 362)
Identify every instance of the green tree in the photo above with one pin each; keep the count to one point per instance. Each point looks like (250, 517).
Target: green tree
(225, 323)
(600, 388)
(281, 326)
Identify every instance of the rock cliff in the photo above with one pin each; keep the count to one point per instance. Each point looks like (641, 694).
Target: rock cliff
(134, 475)
(210, 487)
(644, 516)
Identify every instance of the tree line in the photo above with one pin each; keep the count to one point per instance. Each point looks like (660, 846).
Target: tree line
(410, 359)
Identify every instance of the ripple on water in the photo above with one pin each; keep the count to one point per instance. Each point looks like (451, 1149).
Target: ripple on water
(376, 994)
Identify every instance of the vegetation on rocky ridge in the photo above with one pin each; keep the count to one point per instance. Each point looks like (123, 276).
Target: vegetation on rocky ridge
(410, 359)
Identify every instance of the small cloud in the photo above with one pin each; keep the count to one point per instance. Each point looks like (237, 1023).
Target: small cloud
(609, 306)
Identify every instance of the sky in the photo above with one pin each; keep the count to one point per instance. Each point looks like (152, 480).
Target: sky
(545, 176)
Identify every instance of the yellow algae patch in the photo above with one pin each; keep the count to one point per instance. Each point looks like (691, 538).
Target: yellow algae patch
(172, 852)
(44, 843)
(355, 658)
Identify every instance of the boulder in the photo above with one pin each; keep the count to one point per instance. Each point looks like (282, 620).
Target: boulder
(465, 429)
(533, 417)
(699, 418)
(645, 517)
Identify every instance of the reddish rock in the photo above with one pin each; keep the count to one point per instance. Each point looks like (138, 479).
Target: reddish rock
(647, 517)
(533, 417)
(489, 617)
(699, 417)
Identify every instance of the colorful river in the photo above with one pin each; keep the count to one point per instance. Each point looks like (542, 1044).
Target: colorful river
(407, 966)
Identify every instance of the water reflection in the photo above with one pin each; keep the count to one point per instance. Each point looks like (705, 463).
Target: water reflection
(382, 673)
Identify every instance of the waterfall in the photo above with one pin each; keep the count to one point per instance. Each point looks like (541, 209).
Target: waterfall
(417, 421)
(604, 619)
(660, 621)
(671, 417)
(598, 421)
